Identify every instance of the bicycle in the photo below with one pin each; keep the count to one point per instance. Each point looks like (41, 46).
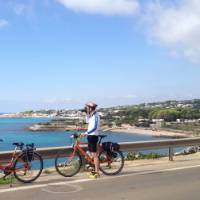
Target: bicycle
(69, 164)
(25, 164)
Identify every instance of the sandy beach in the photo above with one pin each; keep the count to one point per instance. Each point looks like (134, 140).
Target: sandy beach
(146, 131)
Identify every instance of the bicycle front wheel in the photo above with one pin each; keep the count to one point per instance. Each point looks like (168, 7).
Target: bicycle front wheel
(68, 164)
(27, 170)
(111, 164)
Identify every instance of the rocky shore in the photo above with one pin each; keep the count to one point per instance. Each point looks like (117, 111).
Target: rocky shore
(62, 126)
(53, 127)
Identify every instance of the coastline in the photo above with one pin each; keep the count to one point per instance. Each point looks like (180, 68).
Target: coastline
(123, 129)
(154, 133)
(129, 130)
(24, 117)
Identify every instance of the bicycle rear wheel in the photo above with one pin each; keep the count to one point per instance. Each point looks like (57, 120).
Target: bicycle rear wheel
(27, 170)
(111, 164)
(68, 164)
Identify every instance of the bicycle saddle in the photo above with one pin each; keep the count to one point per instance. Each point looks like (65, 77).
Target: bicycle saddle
(18, 144)
(102, 136)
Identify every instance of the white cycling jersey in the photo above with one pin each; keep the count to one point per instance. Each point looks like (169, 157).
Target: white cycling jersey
(93, 124)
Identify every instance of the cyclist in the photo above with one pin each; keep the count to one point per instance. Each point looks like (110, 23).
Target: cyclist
(93, 121)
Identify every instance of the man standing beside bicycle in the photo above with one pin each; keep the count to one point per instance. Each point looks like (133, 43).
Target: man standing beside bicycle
(93, 121)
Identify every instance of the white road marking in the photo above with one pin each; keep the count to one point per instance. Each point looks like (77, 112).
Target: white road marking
(42, 185)
(86, 180)
(151, 172)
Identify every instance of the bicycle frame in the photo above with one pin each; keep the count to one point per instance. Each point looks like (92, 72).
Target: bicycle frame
(8, 166)
(10, 163)
(78, 148)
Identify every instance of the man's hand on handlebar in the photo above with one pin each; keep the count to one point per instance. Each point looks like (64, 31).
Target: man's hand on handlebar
(83, 134)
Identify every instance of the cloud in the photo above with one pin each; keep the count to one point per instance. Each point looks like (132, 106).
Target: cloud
(174, 25)
(3, 23)
(20, 9)
(104, 7)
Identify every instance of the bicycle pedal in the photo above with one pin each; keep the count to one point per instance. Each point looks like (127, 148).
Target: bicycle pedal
(5, 176)
(90, 167)
(109, 167)
(61, 165)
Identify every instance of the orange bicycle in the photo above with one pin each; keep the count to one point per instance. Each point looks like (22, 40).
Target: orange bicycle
(26, 165)
(69, 164)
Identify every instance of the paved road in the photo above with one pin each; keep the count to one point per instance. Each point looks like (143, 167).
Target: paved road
(169, 184)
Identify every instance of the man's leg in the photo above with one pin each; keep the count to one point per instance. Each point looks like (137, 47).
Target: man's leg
(96, 162)
(92, 146)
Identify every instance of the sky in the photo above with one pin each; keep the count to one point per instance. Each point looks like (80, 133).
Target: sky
(60, 54)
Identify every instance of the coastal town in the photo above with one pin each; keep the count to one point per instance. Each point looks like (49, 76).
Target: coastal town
(169, 118)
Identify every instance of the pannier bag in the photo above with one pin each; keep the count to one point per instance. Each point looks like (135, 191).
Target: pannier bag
(28, 155)
(110, 148)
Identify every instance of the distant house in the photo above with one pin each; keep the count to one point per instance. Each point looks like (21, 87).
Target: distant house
(101, 114)
(156, 123)
(143, 123)
(157, 120)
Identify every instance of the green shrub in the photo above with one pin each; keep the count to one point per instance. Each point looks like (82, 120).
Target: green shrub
(140, 156)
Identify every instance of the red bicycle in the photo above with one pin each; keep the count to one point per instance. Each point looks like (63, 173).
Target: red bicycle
(25, 163)
(68, 164)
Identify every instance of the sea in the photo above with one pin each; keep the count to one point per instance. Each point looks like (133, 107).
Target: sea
(16, 130)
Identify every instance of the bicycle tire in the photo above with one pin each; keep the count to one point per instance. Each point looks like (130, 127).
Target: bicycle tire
(61, 163)
(30, 164)
(108, 163)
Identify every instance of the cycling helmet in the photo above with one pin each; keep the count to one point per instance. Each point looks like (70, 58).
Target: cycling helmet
(92, 105)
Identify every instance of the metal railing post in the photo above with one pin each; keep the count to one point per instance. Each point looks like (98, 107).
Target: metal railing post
(171, 153)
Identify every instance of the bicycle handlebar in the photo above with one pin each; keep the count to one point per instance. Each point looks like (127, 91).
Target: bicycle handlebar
(30, 145)
(77, 137)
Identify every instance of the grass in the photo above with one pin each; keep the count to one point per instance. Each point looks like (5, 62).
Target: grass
(141, 156)
(7, 180)
(47, 171)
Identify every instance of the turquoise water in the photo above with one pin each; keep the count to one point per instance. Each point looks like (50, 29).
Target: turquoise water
(15, 130)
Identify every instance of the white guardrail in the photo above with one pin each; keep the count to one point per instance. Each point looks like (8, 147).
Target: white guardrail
(48, 153)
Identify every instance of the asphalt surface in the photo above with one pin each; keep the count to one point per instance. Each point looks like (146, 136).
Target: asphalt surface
(169, 183)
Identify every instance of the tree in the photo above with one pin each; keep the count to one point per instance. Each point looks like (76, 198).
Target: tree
(170, 114)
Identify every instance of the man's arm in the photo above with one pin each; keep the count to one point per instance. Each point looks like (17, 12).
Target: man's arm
(94, 125)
